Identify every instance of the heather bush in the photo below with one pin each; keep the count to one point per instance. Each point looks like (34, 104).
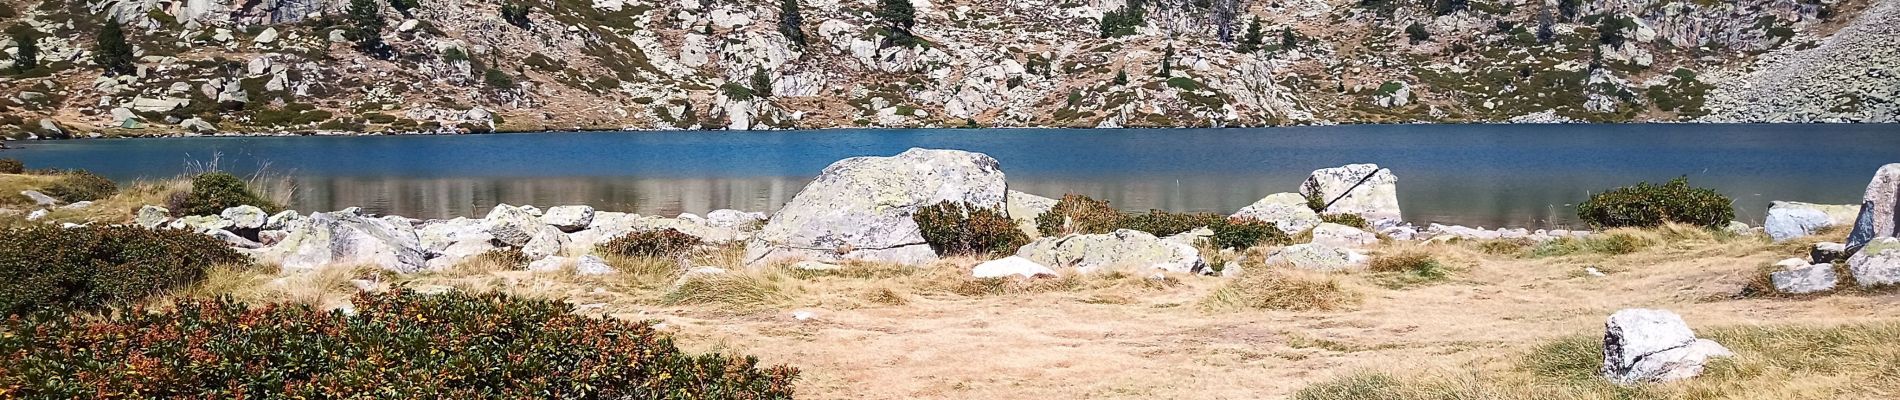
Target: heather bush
(1352, 220)
(212, 192)
(43, 267)
(650, 243)
(1243, 233)
(965, 229)
(1078, 214)
(11, 166)
(1162, 223)
(397, 345)
(80, 185)
(1646, 205)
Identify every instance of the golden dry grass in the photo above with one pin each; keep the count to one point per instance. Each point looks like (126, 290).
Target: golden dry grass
(888, 331)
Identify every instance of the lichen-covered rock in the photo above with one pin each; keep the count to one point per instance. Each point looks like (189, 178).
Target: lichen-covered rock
(1877, 264)
(569, 218)
(1288, 211)
(39, 199)
(1805, 279)
(200, 223)
(282, 219)
(1363, 189)
(1012, 266)
(1336, 235)
(150, 216)
(454, 241)
(245, 217)
(1643, 345)
(860, 208)
(1880, 208)
(734, 219)
(343, 238)
(521, 227)
(1024, 208)
(1318, 257)
(1124, 250)
(1789, 220)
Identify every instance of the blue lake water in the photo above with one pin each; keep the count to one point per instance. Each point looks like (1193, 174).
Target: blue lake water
(1491, 175)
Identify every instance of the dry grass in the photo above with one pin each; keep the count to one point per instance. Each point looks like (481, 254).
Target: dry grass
(12, 184)
(1282, 289)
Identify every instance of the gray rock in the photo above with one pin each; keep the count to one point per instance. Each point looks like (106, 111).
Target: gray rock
(1318, 257)
(1363, 189)
(519, 227)
(345, 238)
(281, 219)
(1643, 345)
(150, 217)
(269, 35)
(1288, 211)
(1788, 220)
(36, 215)
(733, 219)
(455, 241)
(39, 199)
(200, 223)
(1805, 279)
(1877, 264)
(234, 240)
(1827, 252)
(198, 125)
(860, 208)
(1124, 250)
(1013, 266)
(1336, 235)
(1024, 208)
(76, 206)
(591, 265)
(569, 218)
(245, 217)
(1878, 216)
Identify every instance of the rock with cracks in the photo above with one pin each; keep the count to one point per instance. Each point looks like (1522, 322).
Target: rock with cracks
(1363, 189)
(345, 238)
(1880, 208)
(1644, 345)
(1288, 211)
(860, 208)
(1124, 250)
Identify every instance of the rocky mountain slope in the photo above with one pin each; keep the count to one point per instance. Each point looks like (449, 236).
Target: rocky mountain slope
(443, 66)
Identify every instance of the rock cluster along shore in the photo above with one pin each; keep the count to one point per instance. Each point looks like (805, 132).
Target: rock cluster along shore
(856, 209)
(1871, 254)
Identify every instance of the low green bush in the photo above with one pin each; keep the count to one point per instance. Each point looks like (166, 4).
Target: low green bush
(1243, 233)
(212, 192)
(397, 345)
(965, 229)
(1352, 220)
(11, 166)
(650, 243)
(1162, 223)
(1078, 214)
(1646, 205)
(43, 267)
(80, 185)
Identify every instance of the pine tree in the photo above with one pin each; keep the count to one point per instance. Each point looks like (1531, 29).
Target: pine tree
(1287, 39)
(111, 52)
(1250, 42)
(1167, 62)
(791, 22)
(900, 16)
(27, 55)
(761, 83)
(1121, 77)
(366, 23)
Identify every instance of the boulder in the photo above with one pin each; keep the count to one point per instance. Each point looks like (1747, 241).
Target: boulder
(569, 218)
(1336, 235)
(733, 219)
(37, 214)
(344, 238)
(860, 208)
(1805, 279)
(1827, 252)
(520, 227)
(454, 241)
(200, 223)
(1285, 210)
(80, 205)
(39, 199)
(1124, 249)
(245, 217)
(1788, 220)
(1877, 264)
(1191, 237)
(1011, 266)
(1024, 208)
(1363, 189)
(1318, 257)
(1644, 345)
(282, 219)
(150, 216)
(1878, 216)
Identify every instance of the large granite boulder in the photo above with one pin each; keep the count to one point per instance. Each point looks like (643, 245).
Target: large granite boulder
(1363, 189)
(860, 208)
(1788, 220)
(451, 242)
(245, 217)
(1876, 264)
(1285, 210)
(1319, 257)
(1643, 345)
(1878, 216)
(1336, 235)
(1805, 279)
(569, 218)
(151, 217)
(346, 239)
(1024, 208)
(522, 227)
(1124, 250)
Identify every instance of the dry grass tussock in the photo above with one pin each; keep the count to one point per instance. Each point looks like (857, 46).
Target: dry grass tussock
(1499, 325)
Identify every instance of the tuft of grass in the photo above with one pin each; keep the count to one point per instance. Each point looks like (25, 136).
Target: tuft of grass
(1607, 243)
(1280, 289)
(1512, 247)
(1409, 268)
(739, 290)
(886, 295)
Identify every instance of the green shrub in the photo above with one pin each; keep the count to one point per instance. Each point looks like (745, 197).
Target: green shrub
(11, 166)
(965, 229)
(1409, 268)
(1242, 233)
(212, 192)
(1606, 244)
(498, 79)
(1078, 214)
(650, 243)
(1163, 223)
(1646, 205)
(1352, 220)
(46, 268)
(79, 185)
(398, 345)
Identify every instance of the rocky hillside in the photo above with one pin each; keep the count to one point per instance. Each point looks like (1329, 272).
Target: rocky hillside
(444, 66)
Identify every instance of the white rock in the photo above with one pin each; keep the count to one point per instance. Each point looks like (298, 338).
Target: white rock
(591, 265)
(344, 238)
(245, 217)
(1877, 264)
(1024, 208)
(1789, 220)
(1806, 279)
(569, 218)
(1287, 211)
(1123, 250)
(1643, 345)
(732, 219)
(860, 208)
(520, 227)
(269, 35)
(1319, 257)
(816, 266)
(1011, 266)
(1336, 235)
(39, 199)
(1363, 189)
(1880, 208)
(150, 216)
(36, 215)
